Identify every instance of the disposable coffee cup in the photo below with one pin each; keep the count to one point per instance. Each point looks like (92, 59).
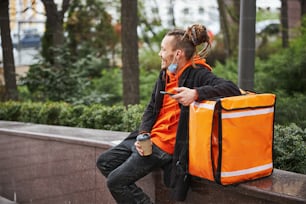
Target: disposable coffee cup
(145, 143)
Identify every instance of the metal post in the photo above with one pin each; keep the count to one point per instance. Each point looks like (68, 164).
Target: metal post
(246, 59)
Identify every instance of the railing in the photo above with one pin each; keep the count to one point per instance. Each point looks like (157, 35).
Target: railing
(56, 165)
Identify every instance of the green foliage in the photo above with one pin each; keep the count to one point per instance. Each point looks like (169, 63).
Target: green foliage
(290, 148)
(89, 41)
(147, 81)
(228, 71)
(287, 72)
(58, 82)
(68, 80)
(95, 116)
(106, 90)
(290, 109)
(149, 60)
(89, 29)
(286, 69)
(268, 47)
(264, 14)
(29, 112)
(149, 71)
(10, 110)
(102, 117)
(70, 116)
(132, 117)
(50, 112)
(284, 73)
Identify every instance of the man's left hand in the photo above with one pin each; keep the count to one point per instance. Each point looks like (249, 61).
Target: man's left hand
(185, 96)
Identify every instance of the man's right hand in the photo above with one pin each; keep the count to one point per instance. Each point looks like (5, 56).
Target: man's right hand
(138, 148)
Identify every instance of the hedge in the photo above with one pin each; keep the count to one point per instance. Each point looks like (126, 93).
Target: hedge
(96, 116)
(289, 141)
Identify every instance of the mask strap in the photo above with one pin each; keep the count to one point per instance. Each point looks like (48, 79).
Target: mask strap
(174, 58)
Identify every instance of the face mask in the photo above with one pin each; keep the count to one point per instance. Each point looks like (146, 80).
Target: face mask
(173, 66)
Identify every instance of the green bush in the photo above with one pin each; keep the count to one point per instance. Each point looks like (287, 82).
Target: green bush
(228, 71)
(132, 117)
(70, 116)
(10, 110)
(29, 112)
(290, 148)
(106, 90)
(50, 112)
(290, 109)
(102, 117)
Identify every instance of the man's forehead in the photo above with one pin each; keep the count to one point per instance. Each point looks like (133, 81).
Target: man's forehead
(167, 40)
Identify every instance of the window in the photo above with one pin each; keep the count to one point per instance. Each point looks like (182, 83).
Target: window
(201, 10)
(186, 11)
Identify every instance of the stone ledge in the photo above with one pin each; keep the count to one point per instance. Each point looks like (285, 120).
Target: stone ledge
(280, 187)
(84, 136)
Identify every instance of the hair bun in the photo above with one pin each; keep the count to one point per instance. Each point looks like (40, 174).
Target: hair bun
(197, 33)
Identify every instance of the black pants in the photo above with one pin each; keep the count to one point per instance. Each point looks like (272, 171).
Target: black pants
(123, 166)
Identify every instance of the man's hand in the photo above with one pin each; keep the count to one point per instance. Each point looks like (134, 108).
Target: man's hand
(185, 96)
(138, 148)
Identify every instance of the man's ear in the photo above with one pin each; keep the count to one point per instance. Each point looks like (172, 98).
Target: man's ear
(179, 52)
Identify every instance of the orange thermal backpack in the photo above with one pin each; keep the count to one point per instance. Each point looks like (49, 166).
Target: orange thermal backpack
(231, 138)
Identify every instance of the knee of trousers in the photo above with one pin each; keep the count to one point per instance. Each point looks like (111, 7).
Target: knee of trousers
(101, 164)
(113, 183)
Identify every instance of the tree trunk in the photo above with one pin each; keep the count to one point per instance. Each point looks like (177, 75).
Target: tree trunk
(224, 27)
(129, 41)
(7, 50)
(229, 20)
(303, 7)
(284, 22)
(53, 36)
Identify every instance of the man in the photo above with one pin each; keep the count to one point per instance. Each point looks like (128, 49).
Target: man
(188, 78)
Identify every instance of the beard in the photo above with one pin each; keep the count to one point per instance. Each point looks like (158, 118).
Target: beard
(165, 63)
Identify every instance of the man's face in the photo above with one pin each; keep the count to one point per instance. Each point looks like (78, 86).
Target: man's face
(166, 52)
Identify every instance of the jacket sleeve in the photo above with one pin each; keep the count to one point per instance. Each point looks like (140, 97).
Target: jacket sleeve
(211, 86)
(152, 110)
(148, 116)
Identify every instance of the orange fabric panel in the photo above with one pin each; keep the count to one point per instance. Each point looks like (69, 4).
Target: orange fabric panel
(248, 101)
(246, 144)
(200, 163)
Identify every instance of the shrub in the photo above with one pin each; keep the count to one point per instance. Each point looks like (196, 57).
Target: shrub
(290, 148)
(29, 112)
(50, 112)
(132, 117)
(10, 110)
(102, 117)
(228, 71)
(70, 116)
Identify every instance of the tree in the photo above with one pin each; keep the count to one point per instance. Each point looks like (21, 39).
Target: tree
(7, 50)
(229, 20)
(53, 36)
(284, 22)
(129, 41)
(90, 32)
(303, 6)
